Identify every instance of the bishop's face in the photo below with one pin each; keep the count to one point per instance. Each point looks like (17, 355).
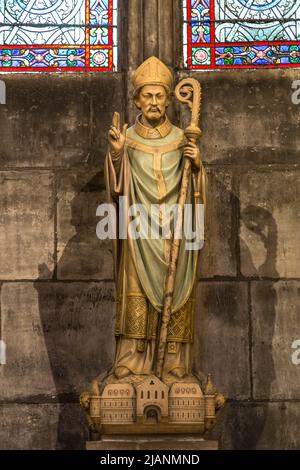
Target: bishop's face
(153, 101)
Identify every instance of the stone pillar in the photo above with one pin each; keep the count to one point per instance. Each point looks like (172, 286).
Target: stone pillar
(151, 27)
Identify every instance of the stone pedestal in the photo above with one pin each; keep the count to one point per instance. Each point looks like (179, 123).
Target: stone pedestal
(157, 443)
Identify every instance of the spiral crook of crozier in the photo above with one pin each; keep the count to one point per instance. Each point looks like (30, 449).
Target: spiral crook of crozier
(188, 91)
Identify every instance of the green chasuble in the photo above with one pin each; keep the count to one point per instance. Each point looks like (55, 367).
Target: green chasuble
(156, 172)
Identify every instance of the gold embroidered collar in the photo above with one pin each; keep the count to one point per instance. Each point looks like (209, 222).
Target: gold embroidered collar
(152, 132)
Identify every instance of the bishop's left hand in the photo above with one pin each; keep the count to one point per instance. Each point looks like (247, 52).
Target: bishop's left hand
(192, 152)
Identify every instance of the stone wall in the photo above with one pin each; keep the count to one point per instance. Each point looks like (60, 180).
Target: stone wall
(248, 298)
(56, 277)
(57, 294)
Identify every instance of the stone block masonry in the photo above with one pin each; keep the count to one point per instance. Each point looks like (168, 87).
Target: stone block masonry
(57, 295)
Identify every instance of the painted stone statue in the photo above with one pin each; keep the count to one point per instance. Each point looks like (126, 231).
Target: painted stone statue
(145, 164)
(153, 165)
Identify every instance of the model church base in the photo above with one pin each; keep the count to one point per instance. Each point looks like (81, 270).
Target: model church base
(150, 407)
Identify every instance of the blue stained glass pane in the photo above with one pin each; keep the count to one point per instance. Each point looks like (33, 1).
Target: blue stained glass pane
(41, 58)
(99, 36)
(200, 10)
(257, 20)
(258, 55)
(200, 24)
(262, 10)
(99, 12)
(241, 33)
(58, 34)
(40, 35)
(201, 32)
(42, 22)
(42, 12)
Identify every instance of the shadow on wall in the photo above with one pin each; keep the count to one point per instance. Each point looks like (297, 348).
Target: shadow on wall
(77, 313)
(77, 316)
(261, 222)
(243, 423)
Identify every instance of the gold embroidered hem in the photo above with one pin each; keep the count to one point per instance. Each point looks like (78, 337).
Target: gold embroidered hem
(141, 320)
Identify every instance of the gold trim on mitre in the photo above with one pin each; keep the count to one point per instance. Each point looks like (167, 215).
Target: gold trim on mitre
(152, 72)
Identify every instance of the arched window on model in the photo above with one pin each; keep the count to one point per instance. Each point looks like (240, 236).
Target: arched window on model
(61, 35)
(219, 34)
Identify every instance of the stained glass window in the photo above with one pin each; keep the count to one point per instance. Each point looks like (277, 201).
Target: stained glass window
(58, 35)
(221, 34)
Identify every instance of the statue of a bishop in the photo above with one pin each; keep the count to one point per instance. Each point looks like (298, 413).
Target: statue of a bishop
(144, 168)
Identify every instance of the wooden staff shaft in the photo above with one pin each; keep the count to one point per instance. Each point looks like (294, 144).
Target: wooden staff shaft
(192, 96)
